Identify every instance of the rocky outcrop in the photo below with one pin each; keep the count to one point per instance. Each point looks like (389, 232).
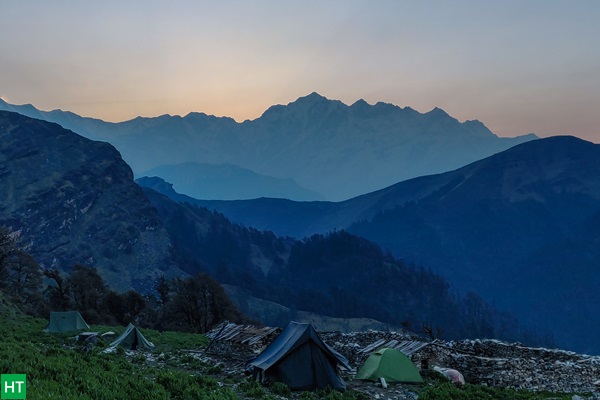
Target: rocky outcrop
(74, 201)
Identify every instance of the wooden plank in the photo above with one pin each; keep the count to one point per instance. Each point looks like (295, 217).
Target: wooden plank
(372, 346)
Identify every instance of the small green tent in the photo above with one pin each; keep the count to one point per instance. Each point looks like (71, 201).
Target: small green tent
(390, 364)
(67, 321)
(132, 339)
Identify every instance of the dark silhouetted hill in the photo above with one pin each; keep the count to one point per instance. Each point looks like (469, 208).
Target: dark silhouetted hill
(339, 275)
(73, 200)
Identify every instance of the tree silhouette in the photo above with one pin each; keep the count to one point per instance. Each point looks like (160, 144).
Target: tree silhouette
(87, 290)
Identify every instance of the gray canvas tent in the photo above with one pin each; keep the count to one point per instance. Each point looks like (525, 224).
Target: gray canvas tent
(132, 339)
(300, 359)
(66, 321)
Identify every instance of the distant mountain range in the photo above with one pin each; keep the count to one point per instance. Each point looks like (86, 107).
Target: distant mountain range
(325, 146)
(520, 227)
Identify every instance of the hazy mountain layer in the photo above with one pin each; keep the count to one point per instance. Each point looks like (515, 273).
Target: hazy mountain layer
(228, 182)
(74, 201)
(324, 145)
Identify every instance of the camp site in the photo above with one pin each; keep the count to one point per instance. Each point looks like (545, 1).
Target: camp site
(298, 361)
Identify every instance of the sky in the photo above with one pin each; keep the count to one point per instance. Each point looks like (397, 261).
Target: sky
(519, 66)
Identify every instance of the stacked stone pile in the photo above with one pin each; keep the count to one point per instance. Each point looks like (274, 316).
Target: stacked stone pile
(513, 365)
(490, 362)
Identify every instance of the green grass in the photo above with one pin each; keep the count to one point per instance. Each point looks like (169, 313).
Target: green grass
(252, 389)
(57, 370)
(280, 389)
(164, 341)
(173, 341)
(446, 390)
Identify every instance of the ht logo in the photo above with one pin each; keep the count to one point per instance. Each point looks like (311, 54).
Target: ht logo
(14, 386)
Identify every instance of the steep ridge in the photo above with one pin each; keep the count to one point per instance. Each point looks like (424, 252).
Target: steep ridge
(518, 223)
(74, 201)
(497, 212)
(326, 146)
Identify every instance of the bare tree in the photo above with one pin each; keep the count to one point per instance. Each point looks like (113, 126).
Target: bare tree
(432, 332)
(24, 280)
(199, 303)
(59, 292)
(163, 288)
(87, 288)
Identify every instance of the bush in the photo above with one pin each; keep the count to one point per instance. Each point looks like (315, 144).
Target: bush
(448, 390)
(330, 394)
(214, 370)
(252, 389)
(280, 389)
(308, 396)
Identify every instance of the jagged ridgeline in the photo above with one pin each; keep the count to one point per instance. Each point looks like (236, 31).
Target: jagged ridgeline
(338, 274)
(353, 149)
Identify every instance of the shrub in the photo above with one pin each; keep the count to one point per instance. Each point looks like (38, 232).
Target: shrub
(448, 390)
(252, 389)
(214, 370)
(280, 389)
(308, 396)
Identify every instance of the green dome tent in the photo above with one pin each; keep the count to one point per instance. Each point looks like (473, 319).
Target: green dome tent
(132, 339)
(390, 364)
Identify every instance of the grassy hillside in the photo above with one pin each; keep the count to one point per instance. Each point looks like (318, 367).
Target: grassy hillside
(57, 369)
